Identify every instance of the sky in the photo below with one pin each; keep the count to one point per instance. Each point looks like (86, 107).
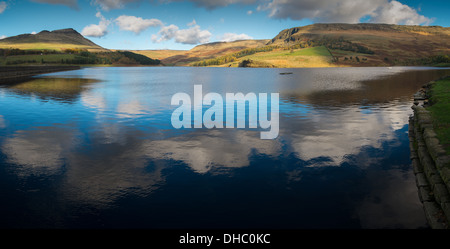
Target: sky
(183, 24)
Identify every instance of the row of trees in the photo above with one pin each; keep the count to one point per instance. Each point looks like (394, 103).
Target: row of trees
(141, 59)
(356, 58)
(217, 61)
(436, 60)
(78, 60)
(349, 46)
(15, 51)
(75, 51)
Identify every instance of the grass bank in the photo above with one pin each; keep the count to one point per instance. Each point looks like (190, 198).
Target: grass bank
(440, 111)
(306, 57)
(278, 57)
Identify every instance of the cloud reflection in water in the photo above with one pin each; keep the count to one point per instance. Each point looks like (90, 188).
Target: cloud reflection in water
(118, 141)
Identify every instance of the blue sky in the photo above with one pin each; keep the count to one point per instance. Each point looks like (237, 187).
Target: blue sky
(183, 24)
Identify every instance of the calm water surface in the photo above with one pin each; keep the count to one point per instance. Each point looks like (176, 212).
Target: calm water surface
(95, 148)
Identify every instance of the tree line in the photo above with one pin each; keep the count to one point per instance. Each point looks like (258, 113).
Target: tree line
(439, 60)
(141, 59)
(15, 51)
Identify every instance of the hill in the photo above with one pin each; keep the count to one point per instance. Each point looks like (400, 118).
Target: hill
(316, 45)
(51, 40)
(334, 45)
(378, 44)
(64, 47)
(201, 52)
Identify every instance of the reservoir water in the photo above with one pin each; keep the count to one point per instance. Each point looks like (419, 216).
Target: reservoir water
(95, 148)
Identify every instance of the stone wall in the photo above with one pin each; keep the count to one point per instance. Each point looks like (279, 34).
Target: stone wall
(431, 165)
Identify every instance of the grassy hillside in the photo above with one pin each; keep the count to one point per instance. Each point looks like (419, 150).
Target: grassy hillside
(200, 52)
(308, 57)
(282, 58)
(379, 44)
(63, 47)
(440, 111)
(160, 54)
(46, 46)
(51, 40)
(36, 59)
(317, 45)
(336, 45)
(17, 57)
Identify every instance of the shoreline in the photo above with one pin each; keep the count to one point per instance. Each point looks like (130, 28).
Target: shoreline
(430, 162)
(17, 74)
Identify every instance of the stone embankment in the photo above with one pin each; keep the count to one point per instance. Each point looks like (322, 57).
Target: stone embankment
(431, 164)
(12, 75)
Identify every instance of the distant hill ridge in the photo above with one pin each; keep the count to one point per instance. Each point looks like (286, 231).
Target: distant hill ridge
(59, 38)
(377, 44)
(363, 44)
(363, 28)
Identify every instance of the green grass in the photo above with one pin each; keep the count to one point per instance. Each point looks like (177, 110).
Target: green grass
(341, 53)
(306, 57)
(440, 111)
(442, 65)
(43, 46)
(315, 51)
(27, 59)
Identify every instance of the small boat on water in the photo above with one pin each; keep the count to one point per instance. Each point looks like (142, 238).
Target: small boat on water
(286, 73)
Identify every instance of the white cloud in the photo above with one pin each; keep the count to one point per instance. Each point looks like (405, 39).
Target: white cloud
(342, 11)
(97, 30)
(346, 11)
(2, 37)
(69, 3)
(193, 35)
(34, 32)
(213, 4)
(136, 24)
(395, 12)
(113, 4)
(193, 23)
(3, 6)
(165, 33)
(39, 151)
(213, 149)
(228, 37)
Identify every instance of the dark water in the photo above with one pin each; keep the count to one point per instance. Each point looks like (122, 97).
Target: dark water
(95, 148)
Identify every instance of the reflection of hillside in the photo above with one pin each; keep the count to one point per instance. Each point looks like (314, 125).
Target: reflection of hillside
(401, 86)
(61, 89)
